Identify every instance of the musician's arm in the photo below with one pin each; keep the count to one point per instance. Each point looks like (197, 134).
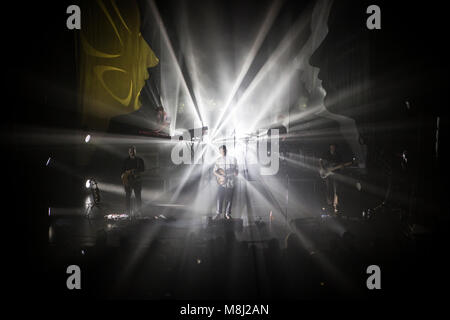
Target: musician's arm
(216, 167)
(141, 166)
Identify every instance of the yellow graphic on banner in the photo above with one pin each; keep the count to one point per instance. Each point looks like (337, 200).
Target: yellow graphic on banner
(113, 61)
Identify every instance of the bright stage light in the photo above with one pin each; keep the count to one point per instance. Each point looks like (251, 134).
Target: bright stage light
(88, 201)
(48, 161)
(88, 184)
(88, 138)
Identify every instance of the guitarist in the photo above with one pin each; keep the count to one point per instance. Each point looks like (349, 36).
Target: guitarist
(225, 170)
(329, 159)
(132, 167)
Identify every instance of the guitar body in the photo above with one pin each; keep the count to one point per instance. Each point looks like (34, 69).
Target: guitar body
(128, 178)
(222, 179)
(224, 176)
(325, 173)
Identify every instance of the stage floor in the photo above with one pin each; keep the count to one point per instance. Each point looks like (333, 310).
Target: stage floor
(178, 254)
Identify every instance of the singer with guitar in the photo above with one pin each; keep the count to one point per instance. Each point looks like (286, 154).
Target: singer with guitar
(329, 164)
(132, 168)
(225, 170)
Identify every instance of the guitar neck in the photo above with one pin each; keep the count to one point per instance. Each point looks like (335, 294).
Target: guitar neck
(341, 166)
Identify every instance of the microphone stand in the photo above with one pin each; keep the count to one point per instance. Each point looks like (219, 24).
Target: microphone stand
(287, 197)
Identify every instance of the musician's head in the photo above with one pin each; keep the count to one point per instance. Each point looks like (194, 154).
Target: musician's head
(332, 148)
(223, 150)
(132, 151)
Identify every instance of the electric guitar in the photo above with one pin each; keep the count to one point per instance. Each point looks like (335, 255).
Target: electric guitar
(129, 177)
(223, 177)
(326, 172)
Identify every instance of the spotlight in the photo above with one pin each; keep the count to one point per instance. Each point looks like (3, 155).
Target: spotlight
(367, 214)
(95, 193)
(88, 138)
(408, 106)
(48, 161)
(88, 202)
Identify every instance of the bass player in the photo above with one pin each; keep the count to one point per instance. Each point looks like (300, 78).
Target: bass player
(329, 164)
(132, 168)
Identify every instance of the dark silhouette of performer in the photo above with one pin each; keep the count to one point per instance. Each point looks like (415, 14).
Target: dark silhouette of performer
(132, 168)
(329, 159)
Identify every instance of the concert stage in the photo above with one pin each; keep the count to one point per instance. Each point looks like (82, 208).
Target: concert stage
(318, 126)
